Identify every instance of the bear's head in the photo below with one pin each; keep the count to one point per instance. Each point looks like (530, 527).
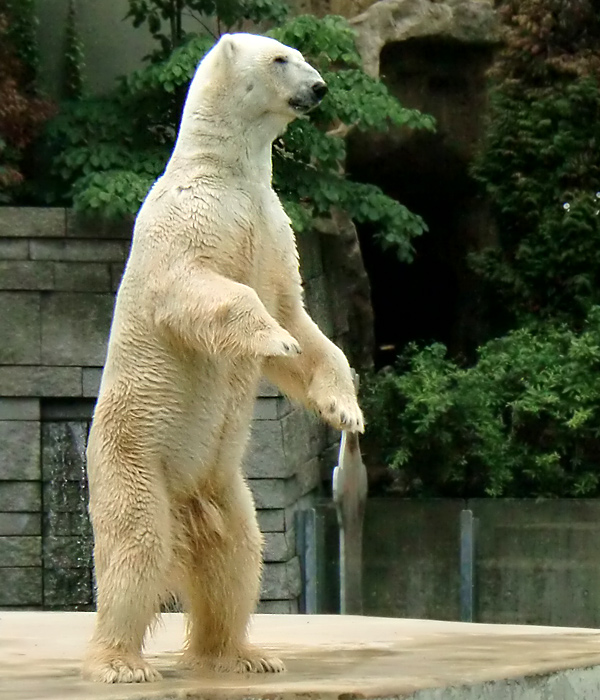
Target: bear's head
(274, 77)
(257, 78)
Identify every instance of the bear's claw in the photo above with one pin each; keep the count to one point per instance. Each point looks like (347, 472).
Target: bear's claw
(342, 414)
(278, 344)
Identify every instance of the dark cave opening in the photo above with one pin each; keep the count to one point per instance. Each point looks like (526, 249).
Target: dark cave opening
(435, 298)
(429, 299)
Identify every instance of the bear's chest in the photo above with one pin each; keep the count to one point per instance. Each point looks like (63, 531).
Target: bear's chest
(243, 233)
(259, 243)
(273, 232)
(275, 248)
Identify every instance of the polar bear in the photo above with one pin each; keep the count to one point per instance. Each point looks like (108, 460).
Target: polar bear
(210, 300)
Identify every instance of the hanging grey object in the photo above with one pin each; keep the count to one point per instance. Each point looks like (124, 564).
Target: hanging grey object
(350, 496)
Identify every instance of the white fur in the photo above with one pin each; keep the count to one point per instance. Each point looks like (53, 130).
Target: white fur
(210, 300)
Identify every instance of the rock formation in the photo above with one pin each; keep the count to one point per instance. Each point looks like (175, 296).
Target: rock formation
(388, 21)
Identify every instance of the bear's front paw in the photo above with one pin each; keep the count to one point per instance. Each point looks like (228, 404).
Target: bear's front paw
(276, 343)
(343, 413)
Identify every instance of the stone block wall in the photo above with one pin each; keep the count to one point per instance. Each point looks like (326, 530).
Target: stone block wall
(58, 276)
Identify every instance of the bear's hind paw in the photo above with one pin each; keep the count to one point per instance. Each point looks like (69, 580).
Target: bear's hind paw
(261, 664)
(120, 670)
(255, 661)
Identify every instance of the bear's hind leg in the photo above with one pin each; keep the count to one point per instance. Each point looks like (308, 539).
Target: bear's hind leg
(132, 532)
(221, 581)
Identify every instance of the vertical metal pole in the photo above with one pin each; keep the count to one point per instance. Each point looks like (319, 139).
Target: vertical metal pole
(306, 546)
(467, 565)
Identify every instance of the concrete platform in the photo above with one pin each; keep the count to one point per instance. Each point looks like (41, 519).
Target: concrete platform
(327, 657)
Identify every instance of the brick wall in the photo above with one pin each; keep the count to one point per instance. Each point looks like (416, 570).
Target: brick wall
(58, 276)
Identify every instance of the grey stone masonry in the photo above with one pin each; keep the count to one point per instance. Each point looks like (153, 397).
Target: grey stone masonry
(20, 497)
(20, 328)
(35, 381)
(20, 455)
(58, 276)
(74, 328)
(21, 586)
(19, 409)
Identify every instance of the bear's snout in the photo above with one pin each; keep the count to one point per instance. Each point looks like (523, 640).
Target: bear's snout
(309, 96)
(320, 90)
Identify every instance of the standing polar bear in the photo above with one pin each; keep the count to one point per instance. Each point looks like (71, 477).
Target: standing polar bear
(210, 301)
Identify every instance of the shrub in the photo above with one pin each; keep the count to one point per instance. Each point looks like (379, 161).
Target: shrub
(540, 164)
(523, 421)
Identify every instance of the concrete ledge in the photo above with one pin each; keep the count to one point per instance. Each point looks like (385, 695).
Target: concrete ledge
(327, 657)
(32, 222)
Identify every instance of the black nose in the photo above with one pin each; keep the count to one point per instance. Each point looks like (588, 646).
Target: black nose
(320, 90)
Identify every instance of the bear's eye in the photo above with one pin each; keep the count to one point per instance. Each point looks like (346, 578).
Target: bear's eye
(280, 59)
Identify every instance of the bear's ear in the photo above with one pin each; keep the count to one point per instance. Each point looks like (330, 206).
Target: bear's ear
(228, 46)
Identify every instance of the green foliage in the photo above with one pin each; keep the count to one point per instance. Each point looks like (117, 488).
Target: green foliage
(107, 141)
(22, 35)
(326, 41)
(168, 75)
(541, 167)
(127, 137)
(164, 18)
(73, 80)
(524, 421)
(113, 192)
